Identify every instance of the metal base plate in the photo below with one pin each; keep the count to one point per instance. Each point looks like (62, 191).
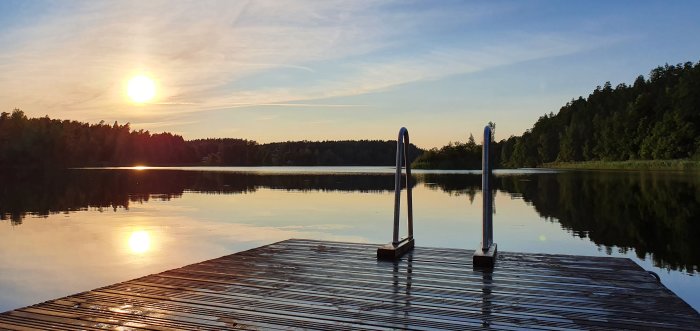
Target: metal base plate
(486, 259)
(391, 252)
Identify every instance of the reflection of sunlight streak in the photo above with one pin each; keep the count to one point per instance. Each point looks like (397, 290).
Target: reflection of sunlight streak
(139, 242)
(140, 167)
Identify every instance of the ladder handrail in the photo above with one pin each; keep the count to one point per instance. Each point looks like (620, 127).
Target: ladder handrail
(487, 208)
(402, 144)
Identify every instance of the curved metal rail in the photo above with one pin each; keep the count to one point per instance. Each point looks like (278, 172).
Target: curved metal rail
(398, 246)
(485, 256)
(487, 207)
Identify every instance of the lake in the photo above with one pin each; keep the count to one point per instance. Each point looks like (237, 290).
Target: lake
(63, 232)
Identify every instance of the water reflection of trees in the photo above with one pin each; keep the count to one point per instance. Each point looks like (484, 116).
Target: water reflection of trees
(453, 184)
(44, 193)
(654, 214)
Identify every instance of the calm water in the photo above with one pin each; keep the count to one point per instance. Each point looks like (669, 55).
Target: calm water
(70, 231)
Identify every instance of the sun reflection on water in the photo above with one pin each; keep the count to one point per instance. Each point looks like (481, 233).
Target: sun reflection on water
(139, 242)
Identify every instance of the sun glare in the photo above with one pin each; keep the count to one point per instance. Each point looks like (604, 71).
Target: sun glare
(141, 89)
(139, 242)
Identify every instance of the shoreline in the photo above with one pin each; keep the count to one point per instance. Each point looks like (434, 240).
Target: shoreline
(660, 165)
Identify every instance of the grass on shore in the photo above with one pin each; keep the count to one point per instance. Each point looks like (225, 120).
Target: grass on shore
(679, 165)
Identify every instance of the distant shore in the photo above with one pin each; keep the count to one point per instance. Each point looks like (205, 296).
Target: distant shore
(678, 165)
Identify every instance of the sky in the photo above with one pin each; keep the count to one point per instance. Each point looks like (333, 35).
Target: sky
(330, 70)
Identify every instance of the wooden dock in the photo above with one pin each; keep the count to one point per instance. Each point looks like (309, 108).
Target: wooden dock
(305, 284)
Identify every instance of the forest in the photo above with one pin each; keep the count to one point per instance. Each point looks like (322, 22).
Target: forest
(44, 142)
(654, 118)
(455, 155)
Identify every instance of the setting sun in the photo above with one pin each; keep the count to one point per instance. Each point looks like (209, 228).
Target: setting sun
(141, 89)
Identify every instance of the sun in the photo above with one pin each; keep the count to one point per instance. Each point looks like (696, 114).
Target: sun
(141, 89)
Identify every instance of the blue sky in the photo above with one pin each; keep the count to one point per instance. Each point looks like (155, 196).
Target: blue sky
(316, 70)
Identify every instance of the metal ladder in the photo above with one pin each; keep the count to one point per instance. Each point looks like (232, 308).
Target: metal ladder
(485, 255)
(398, 247)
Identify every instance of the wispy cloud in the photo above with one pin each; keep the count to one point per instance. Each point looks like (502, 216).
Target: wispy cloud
(210, 55)
(162, 124)
(78, 60)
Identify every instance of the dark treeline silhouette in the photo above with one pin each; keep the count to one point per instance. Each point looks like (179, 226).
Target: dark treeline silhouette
(238, 152)
(45, 142)
(455, 155)
(651, 213)
(654, 118)
(657, 118)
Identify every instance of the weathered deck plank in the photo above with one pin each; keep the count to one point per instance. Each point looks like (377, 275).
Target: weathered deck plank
(307, 284)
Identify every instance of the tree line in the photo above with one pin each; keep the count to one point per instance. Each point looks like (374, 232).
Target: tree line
(654, 118)
(45, 142)
(455, 155)
(657, 118)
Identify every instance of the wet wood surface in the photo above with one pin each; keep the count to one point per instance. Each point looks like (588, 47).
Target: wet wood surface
(305, 284)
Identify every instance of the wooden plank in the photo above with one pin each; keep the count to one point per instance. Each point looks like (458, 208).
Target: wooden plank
(366, 301)
(464, 290)
(319, 285)
(436, 270)
(417, 292)
(416, 296)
